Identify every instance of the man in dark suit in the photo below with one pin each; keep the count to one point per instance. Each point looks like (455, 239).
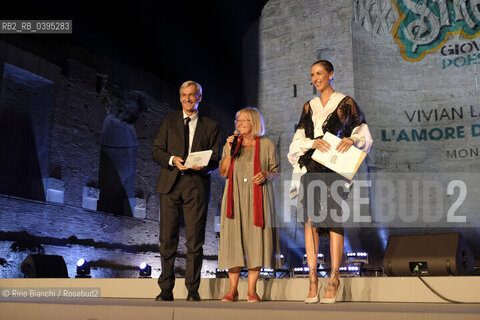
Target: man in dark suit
(184, 188)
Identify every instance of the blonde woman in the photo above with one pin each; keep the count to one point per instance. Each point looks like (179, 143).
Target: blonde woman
(247, 234)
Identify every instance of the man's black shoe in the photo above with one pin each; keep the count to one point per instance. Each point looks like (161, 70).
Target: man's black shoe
(165, 295)
(193, 296)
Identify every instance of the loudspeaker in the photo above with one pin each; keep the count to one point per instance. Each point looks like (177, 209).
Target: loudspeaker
(428, 255)
(44, 266)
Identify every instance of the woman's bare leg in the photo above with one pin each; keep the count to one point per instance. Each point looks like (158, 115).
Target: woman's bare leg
(253, 274)
(233, 276)
(336, 253)
(311, 248)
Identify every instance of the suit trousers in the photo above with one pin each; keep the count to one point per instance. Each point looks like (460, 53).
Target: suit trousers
(191, 196)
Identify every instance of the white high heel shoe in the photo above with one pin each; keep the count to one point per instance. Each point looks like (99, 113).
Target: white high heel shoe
(312, 300)
(332, 285)
(315, 299)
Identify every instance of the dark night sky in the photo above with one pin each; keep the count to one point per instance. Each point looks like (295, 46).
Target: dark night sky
(176, 40)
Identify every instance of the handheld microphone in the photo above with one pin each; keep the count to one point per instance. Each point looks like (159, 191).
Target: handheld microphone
(234, 143)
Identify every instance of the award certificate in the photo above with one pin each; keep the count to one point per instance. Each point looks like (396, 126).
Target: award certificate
(199, 158)
(345, 164)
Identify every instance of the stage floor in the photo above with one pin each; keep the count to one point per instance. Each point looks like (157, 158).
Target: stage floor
(363, 289)
(145, 309)
(383, 298)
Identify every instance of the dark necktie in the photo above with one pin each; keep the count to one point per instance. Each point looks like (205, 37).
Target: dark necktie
(187, 136)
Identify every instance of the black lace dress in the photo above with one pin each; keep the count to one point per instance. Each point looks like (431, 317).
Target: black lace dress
(341, 122)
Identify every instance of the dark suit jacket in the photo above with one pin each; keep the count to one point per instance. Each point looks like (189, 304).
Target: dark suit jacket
(170, 141)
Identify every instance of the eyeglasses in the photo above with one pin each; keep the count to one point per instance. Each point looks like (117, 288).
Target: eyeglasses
(240, 121)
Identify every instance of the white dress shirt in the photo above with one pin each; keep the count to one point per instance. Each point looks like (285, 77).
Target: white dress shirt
(192, 125)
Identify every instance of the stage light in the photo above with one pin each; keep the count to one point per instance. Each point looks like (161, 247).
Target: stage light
(349, 271)
(357, 257)
(145, 270)
(267, 273)
(300, 272)
(83, 269)
(300, 269)
(220, 273)
(320, 258)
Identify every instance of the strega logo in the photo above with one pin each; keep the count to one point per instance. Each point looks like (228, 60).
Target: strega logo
(425, 25)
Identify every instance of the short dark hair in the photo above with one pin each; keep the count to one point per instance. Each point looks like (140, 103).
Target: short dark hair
(326, 64)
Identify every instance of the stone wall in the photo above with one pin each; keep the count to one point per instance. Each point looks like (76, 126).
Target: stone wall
(294, 34)
(75, 233)
(422, 109)
(70, 158)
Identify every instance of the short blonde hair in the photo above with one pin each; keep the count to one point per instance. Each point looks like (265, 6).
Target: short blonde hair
(258, 126)
(192, 83)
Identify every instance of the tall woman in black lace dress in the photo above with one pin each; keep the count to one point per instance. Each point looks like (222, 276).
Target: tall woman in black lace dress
(340, 115)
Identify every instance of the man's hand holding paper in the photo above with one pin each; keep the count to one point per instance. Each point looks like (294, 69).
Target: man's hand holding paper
(198, 160)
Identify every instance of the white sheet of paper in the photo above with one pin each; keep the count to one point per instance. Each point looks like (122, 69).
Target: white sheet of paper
(345, 164)
(199, 158)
